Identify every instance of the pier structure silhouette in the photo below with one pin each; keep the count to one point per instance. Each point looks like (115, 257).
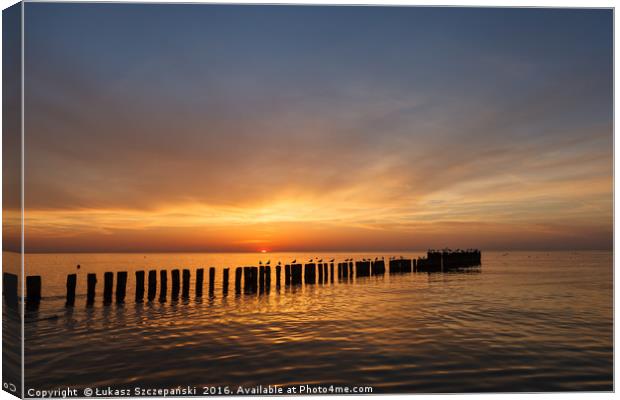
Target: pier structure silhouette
(247, 279)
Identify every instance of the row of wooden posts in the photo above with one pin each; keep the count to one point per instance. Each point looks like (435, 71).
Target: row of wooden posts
(247, 279)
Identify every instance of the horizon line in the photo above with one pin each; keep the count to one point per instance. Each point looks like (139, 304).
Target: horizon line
(302, 251)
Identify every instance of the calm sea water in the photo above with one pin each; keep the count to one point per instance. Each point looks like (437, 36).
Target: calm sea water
(525, 321)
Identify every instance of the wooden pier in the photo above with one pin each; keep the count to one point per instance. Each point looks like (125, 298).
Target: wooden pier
(249, 279)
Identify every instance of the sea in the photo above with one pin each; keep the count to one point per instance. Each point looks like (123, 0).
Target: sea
(521, 322)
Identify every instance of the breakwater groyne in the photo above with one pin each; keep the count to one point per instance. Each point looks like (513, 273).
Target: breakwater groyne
(247, 279)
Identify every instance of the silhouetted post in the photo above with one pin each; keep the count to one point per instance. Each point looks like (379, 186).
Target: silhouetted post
(163, 285)
(261, 279)
(246, 279)
(152, 284)
(33, 291)
(296, 274)
(9, 289)
(108, 281)
(225, 282)
(351, 269)
(268, 278)
(310, 274)
(139, 286)
(362, 268)
(238, 272)
(278, 272)
(320, 266)
(250, 275)
(121, 286)
(325, 273)
(185, 287)
(71, 283)
(176, 284)
(287, 275)
(200, 277)
(254, 278)
(91, 284)
(331, 270)
(211, 281)
(378, 267)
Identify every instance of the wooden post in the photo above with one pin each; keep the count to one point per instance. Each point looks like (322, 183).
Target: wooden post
(310, 273)
(250, 275)
(238, 273)
(325, 273)
(9, 289)
(331, 270)
(287, 275)
(121, 286)
(33, 291)
(91, 284)
(211, 281)
(320, 272)
(296, 274)
(351, 269)
(246, 279)
(261, 279)
(377, 267)
(139, 286)
(108, 281)
(268, 278)
(163, 285)
(225, 282)
(71, 283)
(278, 273)
(186, 276)
(176, 284)
(200, 276)
(152, 284)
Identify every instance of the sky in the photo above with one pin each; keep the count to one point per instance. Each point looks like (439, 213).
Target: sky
(311, 128)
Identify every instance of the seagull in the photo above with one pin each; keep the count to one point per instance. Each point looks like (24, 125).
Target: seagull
(331, 261)
(294, 261)
(268, 262)
(78, 266)
(321, 260)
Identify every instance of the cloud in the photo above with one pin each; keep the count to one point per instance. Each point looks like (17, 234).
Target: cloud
(201, 137)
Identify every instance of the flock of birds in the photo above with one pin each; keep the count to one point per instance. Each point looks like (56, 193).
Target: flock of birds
(320, 260)
(295, 261)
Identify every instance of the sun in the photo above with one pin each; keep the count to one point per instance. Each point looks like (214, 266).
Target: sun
(263, 251)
